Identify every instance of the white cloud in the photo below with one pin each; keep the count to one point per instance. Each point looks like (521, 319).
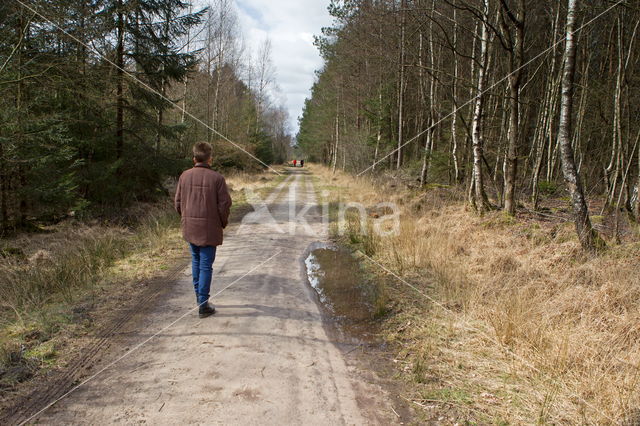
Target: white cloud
(291, 25)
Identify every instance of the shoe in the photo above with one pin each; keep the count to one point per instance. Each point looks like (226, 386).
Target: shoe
(206, 310)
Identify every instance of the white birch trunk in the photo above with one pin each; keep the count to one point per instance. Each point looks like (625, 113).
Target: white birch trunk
(588, 238)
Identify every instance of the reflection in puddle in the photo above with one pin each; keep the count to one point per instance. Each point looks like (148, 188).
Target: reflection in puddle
(352, 300)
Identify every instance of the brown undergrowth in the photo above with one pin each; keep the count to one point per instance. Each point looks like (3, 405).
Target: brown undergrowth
(512, 322)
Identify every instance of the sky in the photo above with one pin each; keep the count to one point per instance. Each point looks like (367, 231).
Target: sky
(290, 25)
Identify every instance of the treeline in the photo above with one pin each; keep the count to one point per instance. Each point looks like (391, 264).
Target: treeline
(471, 91)
(101, 100)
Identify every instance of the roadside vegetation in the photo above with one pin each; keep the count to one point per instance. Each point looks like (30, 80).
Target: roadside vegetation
(50, 278)
(62, 281)
(510, 321)
(512, 147)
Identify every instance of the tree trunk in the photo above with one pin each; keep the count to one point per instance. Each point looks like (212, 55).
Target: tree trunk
(428, 145)
(423, 103)
(479, 201)
(163, 87)
(454, 90)
(515, 78)
(588, 237)
(379, 128)
(216, 100)
(120, 82)
(402, 82)
(185, 85)
(4, 191)
(468, 142)
(337, 136)
(20, 134)
(637, 204)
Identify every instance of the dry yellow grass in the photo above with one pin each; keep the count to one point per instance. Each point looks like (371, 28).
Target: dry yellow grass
(530, 328)
(240, 181)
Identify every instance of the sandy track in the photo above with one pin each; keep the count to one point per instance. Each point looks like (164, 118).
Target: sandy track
(264, 358)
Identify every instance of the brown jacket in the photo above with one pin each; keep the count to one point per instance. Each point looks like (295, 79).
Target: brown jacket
(203, 201)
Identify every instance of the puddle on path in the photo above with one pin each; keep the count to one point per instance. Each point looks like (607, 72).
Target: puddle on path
(353, 304)
(352, 301)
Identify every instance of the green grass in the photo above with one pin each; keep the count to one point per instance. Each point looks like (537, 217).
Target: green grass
(453, 395)
(44, 352)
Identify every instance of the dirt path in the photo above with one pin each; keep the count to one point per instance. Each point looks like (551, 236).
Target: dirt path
(264, 358)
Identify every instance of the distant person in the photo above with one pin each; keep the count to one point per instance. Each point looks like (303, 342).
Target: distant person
(301, 163)
(204, 203)
(295, 163)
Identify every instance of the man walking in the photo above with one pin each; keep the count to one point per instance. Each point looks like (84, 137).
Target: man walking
(204, 203)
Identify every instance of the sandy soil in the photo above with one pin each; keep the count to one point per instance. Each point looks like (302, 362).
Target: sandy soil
(264, 358)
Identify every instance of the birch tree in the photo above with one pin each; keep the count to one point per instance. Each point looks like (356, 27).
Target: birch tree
(586, 234)
(478, 197)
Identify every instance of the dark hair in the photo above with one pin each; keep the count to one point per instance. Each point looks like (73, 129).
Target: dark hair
(202, 152)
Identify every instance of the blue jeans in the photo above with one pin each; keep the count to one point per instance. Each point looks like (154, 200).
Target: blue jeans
(202, 269)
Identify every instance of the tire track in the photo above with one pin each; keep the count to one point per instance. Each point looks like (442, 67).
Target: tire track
(65, 379)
